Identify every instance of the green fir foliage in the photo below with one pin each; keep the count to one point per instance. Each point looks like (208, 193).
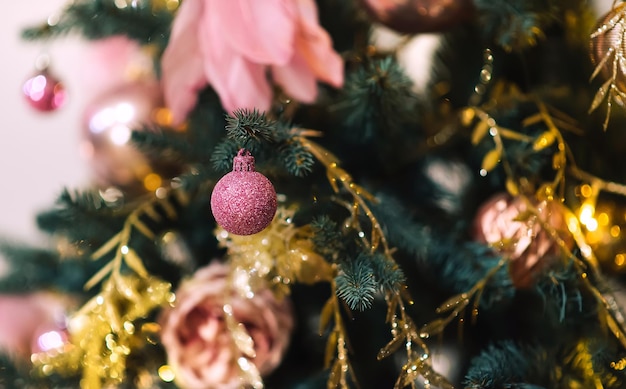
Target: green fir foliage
(356, 284)
(98, 19)
(377, 100)
(515, 25)
(506, 365)
(254, 131)
(36, 269)
(327, 238)
(385, 136)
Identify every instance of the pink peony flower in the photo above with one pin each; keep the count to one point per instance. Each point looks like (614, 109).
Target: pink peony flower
(235, 45)
(196, 339)
(23, 317)
(530, 248)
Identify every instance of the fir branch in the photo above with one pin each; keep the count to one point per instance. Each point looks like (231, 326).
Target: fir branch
(505, 365)
(560, 291)
(402, 232)
(377, 100)
(296, 159)
(223, 154)
(81, 216)
(388, 274)
(246, 127)
(515, 25)
(356, 284)
(98, 19)
(33, 269)
(163, 145)
(327, 238)
(462, 266)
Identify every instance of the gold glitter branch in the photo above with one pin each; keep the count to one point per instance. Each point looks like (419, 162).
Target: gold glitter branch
(336, 356)
(404, 332)
(612, 61)
(120, 241)
(403, 329)
(338, 176)
(563, 164)
(103, 330)
(455, 305)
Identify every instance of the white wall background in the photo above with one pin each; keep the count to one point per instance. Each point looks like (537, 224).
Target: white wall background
(38, 152)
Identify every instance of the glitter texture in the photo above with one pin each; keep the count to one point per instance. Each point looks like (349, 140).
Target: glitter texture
(243, 201)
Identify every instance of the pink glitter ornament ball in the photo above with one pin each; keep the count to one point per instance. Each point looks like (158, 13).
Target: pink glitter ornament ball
(243, 201)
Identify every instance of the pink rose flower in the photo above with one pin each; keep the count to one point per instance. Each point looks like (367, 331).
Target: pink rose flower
(196, 339)
(235, 45)
(23, 317)
(530, 248)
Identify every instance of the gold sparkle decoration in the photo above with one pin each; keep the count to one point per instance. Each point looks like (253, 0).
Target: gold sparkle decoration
(564, 166)
(106, 329)
(278, 256)
(103, 332)
(609, 56)
(336, 355)
(373, 239)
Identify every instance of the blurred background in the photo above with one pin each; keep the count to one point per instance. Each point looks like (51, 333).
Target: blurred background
(38, 151)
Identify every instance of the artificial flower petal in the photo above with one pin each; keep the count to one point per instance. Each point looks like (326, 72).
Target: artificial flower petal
(239, 83)
(182, 62)
(315, 45)
(296, 79)
(261, 31)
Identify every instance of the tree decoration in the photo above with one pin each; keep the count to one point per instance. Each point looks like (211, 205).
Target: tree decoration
(217, 335)
(279, 256)
(608, 54)
(44, 92)
(420, 16)
(243, 201)
(287, 43)
(108, 124)
(502, 222)
(353, 266)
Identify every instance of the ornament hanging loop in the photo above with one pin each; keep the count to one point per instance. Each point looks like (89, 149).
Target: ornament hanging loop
(243, 161)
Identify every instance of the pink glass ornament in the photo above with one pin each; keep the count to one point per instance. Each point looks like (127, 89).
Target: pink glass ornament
(243, 201)
(420, 16)
(107, 127)
(530, 248)
(44, 92)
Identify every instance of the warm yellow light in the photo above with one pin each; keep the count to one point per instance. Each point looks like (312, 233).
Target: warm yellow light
(572, 224)
(620, 259)
(166, 373)
(615, 231)
(163, 117)
(591, 225)
(585, 190)
(586, 213)
(152, 182)
(603, 219)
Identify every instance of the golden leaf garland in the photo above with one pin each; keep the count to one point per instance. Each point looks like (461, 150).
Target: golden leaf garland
(609, 55)
(278, 256)
(564, 165)
(103, 331)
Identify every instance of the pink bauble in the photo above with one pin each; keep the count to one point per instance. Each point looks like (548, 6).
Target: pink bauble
(530, 248)
(420, 16)
(44, 92)
(243, 201)
(107, 126)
